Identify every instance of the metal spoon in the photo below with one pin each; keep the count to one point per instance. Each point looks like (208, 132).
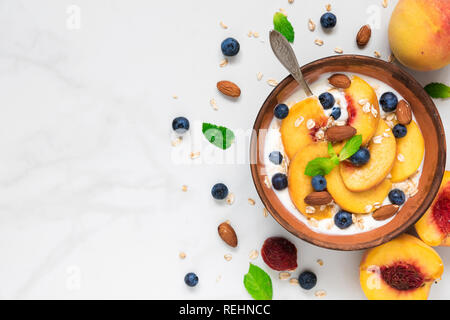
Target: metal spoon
(285, 54)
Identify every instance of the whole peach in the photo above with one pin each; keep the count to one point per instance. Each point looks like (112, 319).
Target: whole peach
(419, 33)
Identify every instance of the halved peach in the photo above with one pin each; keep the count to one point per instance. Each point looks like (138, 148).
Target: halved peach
(355, 202)
(434, 226)
(294, 132)
(401, 269)
(410, 151)
(382, 156)
(357, 95)
(299, 184)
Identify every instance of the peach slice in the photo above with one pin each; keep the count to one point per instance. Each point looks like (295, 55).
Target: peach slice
(401, 269)
(410, 151)
(294, 132)
(357, 95)
(355, 202)
(382, 156)
(434, 226)
(299, 184)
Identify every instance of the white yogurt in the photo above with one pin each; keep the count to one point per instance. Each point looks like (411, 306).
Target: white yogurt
(273, 142)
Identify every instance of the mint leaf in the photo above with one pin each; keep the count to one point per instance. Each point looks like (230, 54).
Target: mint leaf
(350, 147)
(283, 26)
(438, 90)
(258, 283)
(320, 166)
(219, 136)
(332, 154)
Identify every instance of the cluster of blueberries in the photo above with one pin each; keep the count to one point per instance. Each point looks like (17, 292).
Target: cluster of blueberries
(342, 219)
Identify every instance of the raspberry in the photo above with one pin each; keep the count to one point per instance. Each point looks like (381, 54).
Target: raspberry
(279, 254)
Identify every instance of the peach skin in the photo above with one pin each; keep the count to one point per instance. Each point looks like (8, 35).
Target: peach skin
(434, 226)
(419, 33)
(401, 269)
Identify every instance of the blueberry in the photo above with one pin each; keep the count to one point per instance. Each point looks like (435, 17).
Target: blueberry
(388, 101)
(328, 20)
(397, 197)
(307, 280)
(230, 47)
(336, 113)
(326, 100)
(319, 183)
(219, 191)
(281, 111)
(399, 131)
(279, 181)
(276, 157)
(191, 279)
(180, 125)
(343, 219)
(361, 157)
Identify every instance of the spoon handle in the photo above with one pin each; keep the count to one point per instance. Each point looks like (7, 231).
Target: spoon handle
(285, 54)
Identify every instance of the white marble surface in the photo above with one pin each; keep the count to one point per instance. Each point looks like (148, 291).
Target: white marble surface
(90, 189)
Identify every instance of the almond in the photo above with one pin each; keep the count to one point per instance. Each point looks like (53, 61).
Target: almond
(228, 235)
(318, 198)
(340, 81)
(229, 88)
(339, 133)
(403, 113)
(363, 36)
(385, 212)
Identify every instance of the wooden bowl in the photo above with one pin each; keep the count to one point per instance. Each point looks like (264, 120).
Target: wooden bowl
(427, 118)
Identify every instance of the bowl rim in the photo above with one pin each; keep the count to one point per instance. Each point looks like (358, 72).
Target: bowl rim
(440, 167)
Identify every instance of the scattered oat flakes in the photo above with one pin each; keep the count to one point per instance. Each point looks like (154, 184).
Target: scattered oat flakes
(230, 199)
(385, 3)
(255, 35)
(251, 201)
(338, 50)
(340, 123)
(259, 76)
(377, 54)
(320, 293)
(293, 281)
(176, 141)
(311, 25)
(362, 102)
(320, 135)
(213, 104)
(374, 111)
(328, 7)
(223, 63)
(401, 157)
(318, 42)
(310, 124)
(368, 208)
(366, 107)
(272, 82)
(250, 34)
(391, 117)
(265, 213)
(184, 188)
(313, 222)
(391, 58)
(320, 262)
(284, 275)
(182, 255)
(227, 257)
(253, 254)
(195, 155)
(377, 139)
(223, 25)
(298, 122)
(385, 134)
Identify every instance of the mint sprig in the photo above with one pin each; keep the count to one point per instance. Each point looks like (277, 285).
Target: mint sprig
(323, 166)
(219, 136)
(258, 283)
(438, 90)
(283, 26)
